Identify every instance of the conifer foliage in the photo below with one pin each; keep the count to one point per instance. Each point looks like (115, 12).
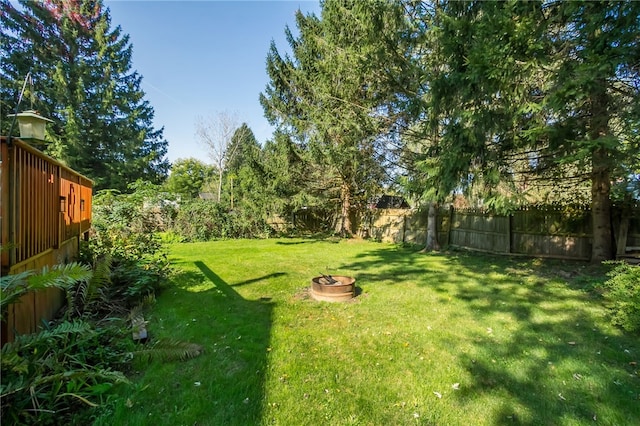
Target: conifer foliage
(329, 95)
(83, 79)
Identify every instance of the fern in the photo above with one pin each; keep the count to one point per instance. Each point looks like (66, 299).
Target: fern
(85, 292)
(14, 286)
(63, 329)
(61, 276)
(169, 350)
(84, 375)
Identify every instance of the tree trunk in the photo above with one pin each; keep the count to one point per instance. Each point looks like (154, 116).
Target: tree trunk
(220, 185)
(602, 248)
(345, 222)
(432, 229)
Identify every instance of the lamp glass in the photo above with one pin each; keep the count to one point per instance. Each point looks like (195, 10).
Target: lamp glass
(31, 125)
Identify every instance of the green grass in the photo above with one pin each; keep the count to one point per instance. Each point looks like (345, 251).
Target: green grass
(523, 341)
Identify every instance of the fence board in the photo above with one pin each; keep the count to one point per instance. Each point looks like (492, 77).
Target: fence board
(543, 232)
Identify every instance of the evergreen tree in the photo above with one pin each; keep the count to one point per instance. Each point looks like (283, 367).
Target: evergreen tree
(83, 79)
(533, 92)
(245, 175)
(289, 176)
(328, 97)
(593, 99)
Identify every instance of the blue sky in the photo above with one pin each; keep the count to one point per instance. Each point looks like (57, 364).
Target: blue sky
(198, 58)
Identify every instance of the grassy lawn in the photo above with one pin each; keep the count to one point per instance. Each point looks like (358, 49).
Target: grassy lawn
(434, 339)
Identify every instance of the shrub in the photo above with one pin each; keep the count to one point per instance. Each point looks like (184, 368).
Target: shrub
(125, 230)
(47, 377)
(623, 293)
(202, 220)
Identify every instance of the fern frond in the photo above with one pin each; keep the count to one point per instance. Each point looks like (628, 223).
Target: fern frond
(102, 375)
(102, 271)
(26, 340)
(62, 276)
(169, 350)
(13, 287)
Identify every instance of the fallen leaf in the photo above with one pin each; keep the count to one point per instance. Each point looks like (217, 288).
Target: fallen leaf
(571, 343)
(562, 397)
(197, 383)
(456, 386)
(438, 394)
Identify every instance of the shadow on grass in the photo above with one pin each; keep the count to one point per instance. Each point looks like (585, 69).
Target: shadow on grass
(310, 239)
(240, 354)
(540, 345)
(235, 333)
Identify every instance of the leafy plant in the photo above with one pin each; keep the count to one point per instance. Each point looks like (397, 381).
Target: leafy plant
(169, 350)
(48, 376)
(13, 287)
(45, 374)
(82, 296)
(132, 280)
(624, 295)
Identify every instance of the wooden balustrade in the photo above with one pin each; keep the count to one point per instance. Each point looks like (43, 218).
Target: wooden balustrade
(45, 207)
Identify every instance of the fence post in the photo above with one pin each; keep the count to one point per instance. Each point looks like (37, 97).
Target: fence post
(450, 225)
(509, 225)
(621, 236)
(404, 227)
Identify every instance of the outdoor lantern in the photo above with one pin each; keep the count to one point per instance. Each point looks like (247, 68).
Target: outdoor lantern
(31, 124)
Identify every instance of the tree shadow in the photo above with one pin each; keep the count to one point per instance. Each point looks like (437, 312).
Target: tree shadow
(240, 352)
(559, 359)
(201, 307)
(310, 239)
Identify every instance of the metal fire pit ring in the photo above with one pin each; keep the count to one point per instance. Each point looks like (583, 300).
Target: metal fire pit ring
(342, 290)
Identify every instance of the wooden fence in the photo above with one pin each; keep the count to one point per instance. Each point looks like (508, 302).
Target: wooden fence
(45, 208)
(562, 233)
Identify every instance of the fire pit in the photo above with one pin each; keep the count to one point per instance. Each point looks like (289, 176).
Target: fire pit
(334, 288)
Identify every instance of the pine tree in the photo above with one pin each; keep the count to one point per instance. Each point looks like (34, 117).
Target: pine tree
(535, 92)
(83, 78)
(330, 94)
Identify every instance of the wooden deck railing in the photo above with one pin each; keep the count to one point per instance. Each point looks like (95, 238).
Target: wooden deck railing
(44, 203)
(45, 207)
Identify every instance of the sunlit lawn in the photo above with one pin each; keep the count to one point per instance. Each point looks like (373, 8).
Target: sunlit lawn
(437, 339)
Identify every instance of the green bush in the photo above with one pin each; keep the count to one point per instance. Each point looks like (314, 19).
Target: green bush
(125, 229)
(623, 294)
(202, 220)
